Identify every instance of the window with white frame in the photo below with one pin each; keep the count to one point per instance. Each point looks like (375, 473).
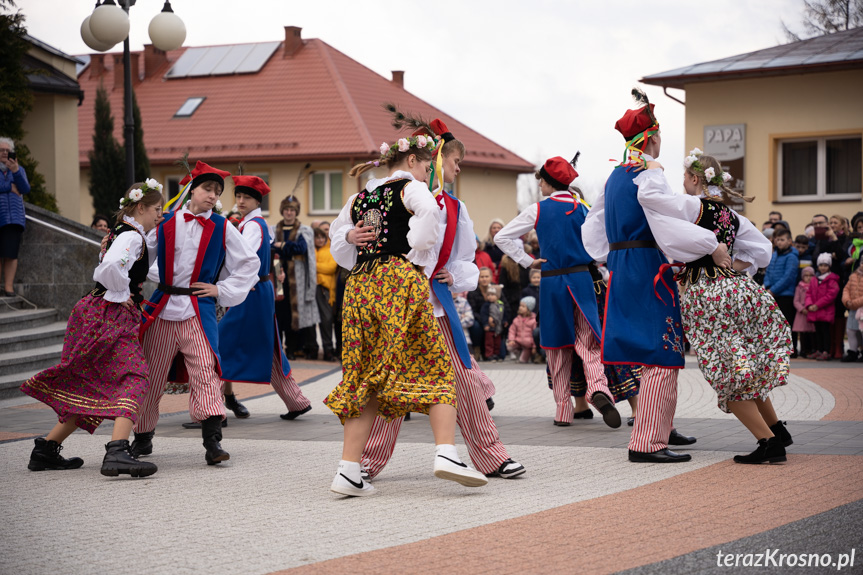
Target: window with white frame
(822, 168)
(326, 191)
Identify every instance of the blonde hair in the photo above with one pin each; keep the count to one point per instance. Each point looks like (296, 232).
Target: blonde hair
(152, 197)
(392, 161)
(711, 162)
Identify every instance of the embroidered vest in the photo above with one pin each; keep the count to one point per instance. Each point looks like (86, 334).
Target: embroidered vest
(383, 209)
(138, 271)
(722, 221)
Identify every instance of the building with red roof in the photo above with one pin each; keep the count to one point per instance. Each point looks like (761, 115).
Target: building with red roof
(276, 107)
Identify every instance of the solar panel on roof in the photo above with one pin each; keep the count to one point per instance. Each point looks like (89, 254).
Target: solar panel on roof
(222, 60)
(209, 61)
(257, 57)
(185, 62)
(232, 59)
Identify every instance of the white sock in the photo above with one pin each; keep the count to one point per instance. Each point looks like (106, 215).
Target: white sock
(351, 469)
(447, 451)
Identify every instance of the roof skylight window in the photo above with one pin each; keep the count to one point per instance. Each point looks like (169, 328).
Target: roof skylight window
(189, 107)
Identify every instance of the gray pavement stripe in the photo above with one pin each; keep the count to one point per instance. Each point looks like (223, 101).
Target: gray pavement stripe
(836, 531)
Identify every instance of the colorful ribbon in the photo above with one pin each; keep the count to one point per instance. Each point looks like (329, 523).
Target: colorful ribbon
(179, 200)
(661, 276)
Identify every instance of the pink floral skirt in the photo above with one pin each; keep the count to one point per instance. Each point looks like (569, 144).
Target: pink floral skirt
(102, 373)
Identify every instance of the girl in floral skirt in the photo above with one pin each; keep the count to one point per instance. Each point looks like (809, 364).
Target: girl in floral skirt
(394, 357)
(742, 340)
(102, 372)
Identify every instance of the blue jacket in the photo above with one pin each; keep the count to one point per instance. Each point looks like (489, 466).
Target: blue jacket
(11, 204)
(781, 275)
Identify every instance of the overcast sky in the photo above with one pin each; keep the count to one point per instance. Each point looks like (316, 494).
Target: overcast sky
(542, 78)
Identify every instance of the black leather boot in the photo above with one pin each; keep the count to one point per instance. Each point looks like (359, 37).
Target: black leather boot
(211, 431)
(769, 450)
(240, 411)
(143, 443)
(119, 458)
(781, 433)
(46, 455)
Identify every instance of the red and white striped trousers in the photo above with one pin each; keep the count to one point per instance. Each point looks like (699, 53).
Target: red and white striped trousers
(657, 400)
(560, 366)
(161, 343)
(287, 388)
(477, 427)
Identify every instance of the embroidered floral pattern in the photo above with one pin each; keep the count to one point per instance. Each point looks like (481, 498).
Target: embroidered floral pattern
(372, 208)
(742, 340)
(392, 345)
(671, 338)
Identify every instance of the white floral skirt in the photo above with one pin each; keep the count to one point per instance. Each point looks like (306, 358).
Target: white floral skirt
(742, 340)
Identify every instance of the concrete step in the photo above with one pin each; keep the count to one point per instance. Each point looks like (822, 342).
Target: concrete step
(30, 359)
(19, 339)
(26, 319)
(13, 303)
(10, 384)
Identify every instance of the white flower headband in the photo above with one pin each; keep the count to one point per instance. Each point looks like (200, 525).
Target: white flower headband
(403, 145)
(691, 162)
(137, 194)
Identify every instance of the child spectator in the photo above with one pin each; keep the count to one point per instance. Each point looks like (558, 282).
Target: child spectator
(465, 313)
(803, 327)
(327, 269)
(804, 253)
(821, 303)
(492, 317)
(532, 290)
(852, 298)
(781, 274)
(520, 337)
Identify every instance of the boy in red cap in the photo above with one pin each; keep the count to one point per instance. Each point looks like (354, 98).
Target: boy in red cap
(642, 315)
(194, 245)
(566, 287)
(248, 333)
(453, 272)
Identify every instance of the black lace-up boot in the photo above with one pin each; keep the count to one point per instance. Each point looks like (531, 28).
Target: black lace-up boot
(119, 458)
(46, 455)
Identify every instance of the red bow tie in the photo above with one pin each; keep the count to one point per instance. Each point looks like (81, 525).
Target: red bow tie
(189, 217)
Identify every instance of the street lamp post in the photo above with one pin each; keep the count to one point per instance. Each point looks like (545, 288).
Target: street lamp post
(107, 25)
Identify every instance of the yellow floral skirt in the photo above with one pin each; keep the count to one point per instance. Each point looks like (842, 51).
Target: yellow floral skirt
(391, 345)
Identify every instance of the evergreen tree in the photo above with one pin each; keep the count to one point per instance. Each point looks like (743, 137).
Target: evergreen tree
(142, 162)
(16, 100)
(107, 160)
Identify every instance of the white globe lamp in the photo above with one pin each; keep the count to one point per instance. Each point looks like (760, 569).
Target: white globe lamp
(91, 40)
(109, 23)
(167, 30)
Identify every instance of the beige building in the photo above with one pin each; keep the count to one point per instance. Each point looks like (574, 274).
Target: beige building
(52, 125)
(296, 112)
(790, 117)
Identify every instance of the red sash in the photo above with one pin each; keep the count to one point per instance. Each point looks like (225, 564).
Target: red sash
(452, 209)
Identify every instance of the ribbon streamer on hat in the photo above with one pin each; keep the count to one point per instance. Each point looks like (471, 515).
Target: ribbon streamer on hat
(179, 200)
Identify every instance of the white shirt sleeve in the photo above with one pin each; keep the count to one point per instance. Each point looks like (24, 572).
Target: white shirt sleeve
(113, 271)
(464, 272)
(672, 218)
(253, 235)
(344, 253)
(593, 230)
(423, 232)
(153, 245)
(751, 246)
(242, 264)
(507, 239)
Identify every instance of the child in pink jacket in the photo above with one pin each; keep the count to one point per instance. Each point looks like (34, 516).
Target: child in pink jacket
(521, 331)
(803, 329)
(821, 305)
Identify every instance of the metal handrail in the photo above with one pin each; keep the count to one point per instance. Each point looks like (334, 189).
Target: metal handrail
(61, 230)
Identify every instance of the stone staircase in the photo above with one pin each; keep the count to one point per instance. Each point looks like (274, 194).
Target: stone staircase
(31, 340)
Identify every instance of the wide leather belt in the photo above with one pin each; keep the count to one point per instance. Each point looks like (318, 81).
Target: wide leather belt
(263, 278)
(614, 246)
(564, 271)
(174, 290)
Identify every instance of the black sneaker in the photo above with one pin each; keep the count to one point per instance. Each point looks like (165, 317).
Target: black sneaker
(46, 455)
